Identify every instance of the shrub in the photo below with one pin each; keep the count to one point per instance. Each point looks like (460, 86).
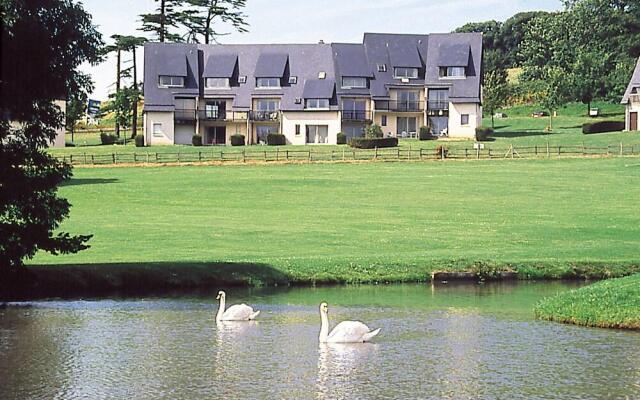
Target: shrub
(139, 141)
(441, 151)
(603, 126)
(107, 138)
(371, 143)
(196, 140)
(373, 131)
(483, 134)
(237, 140)
(425, 133)
(69, 144)
(276, 139)
(341, 138)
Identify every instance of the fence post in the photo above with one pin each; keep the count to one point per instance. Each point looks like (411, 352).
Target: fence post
(309, 155)
(421, 153)
(489, 152)
(375, 155)
(331, 155)
(113, 157)
(147, 158)
(559, 151)
(584, 150)
(178, 157)
(244, 156)
(343, 150)
(409, 154)
(92, 160)
(265, 156)
(85, 158)
(511, 151)
(71, 159)
(466, 153)
(398, 152)
(277, 154)
(548, 151)
(621, 148)
(156, 156)
(287, 155)
(134, 157)
(199, 156)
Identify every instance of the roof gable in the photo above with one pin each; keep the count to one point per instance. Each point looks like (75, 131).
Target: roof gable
(220, 66)
(319, 89)
(454, 55)
(404, 55)
(351, 60)
(173, 66)
(271, 65)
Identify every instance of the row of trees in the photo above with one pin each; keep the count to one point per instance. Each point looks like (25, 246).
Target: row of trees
(583, 53)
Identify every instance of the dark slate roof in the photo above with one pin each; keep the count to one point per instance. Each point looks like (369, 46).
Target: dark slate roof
(271, 65)
(456, 55)
(634, 83)
(404, 55)
(351, 60)
(319, 89)
(220, 66)
(157, 58)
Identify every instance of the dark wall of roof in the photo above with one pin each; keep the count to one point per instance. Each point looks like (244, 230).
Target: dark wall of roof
(319, 89)
(633, 83)
(456, 55)
(169, 59)
(271, 65)
(220, 66)
(351, 60)
(404, 55)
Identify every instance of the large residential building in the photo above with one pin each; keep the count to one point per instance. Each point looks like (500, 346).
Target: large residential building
(311, 92)
(632, 100)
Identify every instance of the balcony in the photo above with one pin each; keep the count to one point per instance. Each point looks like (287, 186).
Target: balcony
(184, 114)
(221, 115)
(437, 105)
(356, 115)
(400, 105)
(264, 116)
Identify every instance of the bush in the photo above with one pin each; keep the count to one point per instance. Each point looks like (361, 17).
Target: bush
(425, 133)
(107, 138)
(276, 139)
(139, 141)
(372, 143)
(483, 134)
(196, 140)
(603, 126)
(373, 131)
(442, 152)
(237, 140)
(341, 138)
(69, 144)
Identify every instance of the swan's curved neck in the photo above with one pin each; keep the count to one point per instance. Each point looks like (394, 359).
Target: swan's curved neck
(324, 327)
(220, 309)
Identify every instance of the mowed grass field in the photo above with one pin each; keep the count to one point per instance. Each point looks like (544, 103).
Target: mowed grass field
(359, 222)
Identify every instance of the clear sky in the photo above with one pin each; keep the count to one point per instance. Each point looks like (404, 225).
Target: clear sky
(304, 21)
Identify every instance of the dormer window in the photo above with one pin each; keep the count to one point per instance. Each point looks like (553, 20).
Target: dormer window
(293, 80)
(353, 82)
(382, 67)
(401, 72)
(453, 72)
(317, 103)
(216, 83)
(167, 81)
(267, 82)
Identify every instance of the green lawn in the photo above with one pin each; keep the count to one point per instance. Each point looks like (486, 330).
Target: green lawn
(364, 222)
(519, 129)
(614, 303)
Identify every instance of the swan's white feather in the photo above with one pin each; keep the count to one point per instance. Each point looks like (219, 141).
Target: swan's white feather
(239, 312)
(349, 332)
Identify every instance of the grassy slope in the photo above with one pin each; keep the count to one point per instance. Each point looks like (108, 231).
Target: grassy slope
(367, 222)
(614, 303)
(519, 129)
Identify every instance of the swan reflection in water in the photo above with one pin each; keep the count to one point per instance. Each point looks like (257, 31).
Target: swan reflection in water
(230, 345)
(337, 363)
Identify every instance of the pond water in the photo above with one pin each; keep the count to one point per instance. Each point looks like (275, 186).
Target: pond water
(442, 342)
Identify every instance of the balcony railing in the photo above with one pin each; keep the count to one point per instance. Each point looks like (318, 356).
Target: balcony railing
(184, 115)
(264, 115)
(356, 115)
(222, 115)
(400, 105)
(437, 105)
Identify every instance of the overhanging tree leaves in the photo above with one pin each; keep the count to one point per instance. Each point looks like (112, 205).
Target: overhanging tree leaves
(201, 17)
(163, 22)
(76, 109)
(43, 44)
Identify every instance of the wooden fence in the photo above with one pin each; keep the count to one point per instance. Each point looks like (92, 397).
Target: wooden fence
(222, 154)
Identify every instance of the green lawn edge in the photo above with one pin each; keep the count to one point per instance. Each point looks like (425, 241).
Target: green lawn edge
(613, 303)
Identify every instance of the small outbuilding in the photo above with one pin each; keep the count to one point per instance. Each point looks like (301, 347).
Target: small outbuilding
(631, 100)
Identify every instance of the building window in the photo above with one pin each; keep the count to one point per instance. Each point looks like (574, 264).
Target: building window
(317, 134)
(384, 120)
(268, 82)
(405, 72)
(293, 80)
(268, 105)
(382, 67)
(216, 83)
(406, 127)
(453, 72)
(263, 130)
(297, 130)
(171, 81)
(242, 79)
(351, 82)
(317, 103)
(464, 119)
(438, 99)
(157, 130)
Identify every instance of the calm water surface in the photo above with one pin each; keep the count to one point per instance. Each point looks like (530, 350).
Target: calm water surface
(443, 342)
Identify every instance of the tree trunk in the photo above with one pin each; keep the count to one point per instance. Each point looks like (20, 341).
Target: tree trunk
(207, 27)
(117, 92)
(550, 120)
(588, 108)
(134, 117)
(492, 123)
(161, 36)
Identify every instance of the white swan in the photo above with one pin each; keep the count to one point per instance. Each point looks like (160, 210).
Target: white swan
(238, 312)
(345, 331)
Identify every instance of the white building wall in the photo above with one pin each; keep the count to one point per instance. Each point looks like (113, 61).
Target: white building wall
(59, 140)
(303, 118)
(632, 106)
(166, 136)
(456, 129)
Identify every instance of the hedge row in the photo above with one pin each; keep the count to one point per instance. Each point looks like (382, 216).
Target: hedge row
(237, 140)
(372, 143)
(276, 139)
(603, 126)
(483, 134)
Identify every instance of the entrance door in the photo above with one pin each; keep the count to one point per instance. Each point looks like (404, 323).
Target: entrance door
(406, 127)
(217, 135)
(633, 121)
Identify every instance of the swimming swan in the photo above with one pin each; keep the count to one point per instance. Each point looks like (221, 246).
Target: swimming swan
(238, 312)
(345, 331)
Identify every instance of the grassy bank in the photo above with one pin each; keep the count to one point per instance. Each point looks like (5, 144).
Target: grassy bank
(613, 303)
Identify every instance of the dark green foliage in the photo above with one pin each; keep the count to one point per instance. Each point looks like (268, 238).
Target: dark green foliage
(164, 21)
(237, 140)
(372, 143)
(341, 138)
(495, 91)
(139, 140)
(603, 126)
(373, 131)
(483, 134)
(107, 138)
(75, 110)
(202, 15)
(43, 44)
(276, 139)
(425, 133)
(196, 140)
